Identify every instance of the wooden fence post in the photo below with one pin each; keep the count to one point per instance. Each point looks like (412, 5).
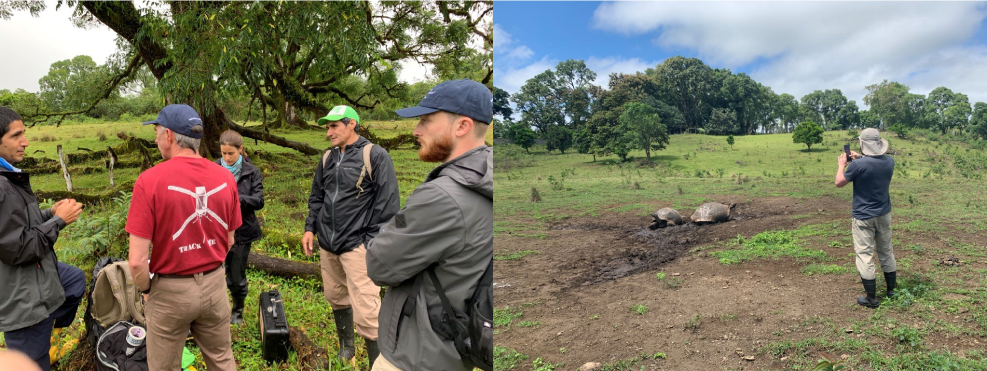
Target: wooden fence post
(65, 169)
(113, 161)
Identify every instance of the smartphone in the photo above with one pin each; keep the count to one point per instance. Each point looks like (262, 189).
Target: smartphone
(846, 149)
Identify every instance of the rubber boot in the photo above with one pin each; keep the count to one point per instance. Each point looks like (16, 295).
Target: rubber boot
(344, 329)
(869, 301)
(372, 352)
(236, 317)
(892, 280)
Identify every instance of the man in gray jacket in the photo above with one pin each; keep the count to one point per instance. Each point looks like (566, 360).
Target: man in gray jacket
(447, 220)
(39, 291)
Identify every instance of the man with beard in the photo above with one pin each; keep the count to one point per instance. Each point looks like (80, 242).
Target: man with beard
(354, 192)
(447, 222)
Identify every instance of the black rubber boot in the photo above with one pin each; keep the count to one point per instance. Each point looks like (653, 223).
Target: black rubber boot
(892, 280)
(236, 317)
(869, 301)
(372, 352)
(344, 329)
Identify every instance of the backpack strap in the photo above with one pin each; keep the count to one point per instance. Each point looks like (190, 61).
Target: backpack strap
(449, 311)
(366, 170)
(325, 156)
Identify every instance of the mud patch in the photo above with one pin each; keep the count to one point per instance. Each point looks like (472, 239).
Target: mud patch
(650, 249)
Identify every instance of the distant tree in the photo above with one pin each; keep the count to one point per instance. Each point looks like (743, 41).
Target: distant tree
(558, 137)
(807, 133)
(887, 100)
(500, 128)
(868, 120)
(521, 135)
(723, 121)
(730, 140)
(978, 121)
(501, 103)
(643, 128)
(787, 111)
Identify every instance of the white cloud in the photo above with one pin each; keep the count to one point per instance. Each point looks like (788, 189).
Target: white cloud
(511, 79)
(801, 47)
(521, 52)
(32, 44)
(501, 37)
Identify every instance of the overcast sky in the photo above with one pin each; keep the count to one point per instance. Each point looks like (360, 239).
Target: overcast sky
(792, 47)
(32, 44)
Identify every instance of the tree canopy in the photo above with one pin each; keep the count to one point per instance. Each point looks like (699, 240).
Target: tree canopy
(297, 59)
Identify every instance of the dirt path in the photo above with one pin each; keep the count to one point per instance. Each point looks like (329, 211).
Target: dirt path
(588, 272)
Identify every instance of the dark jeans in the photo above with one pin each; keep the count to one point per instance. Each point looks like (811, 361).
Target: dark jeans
(236, 269)
(35, 340)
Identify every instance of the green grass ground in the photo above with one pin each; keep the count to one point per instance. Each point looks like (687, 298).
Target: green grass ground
(937, 193)
(287, 183)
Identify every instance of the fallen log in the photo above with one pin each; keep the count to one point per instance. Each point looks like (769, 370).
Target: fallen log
(282, 267)
(310, 355)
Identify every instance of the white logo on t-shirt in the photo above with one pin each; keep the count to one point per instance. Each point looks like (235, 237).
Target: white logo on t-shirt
(201, 206)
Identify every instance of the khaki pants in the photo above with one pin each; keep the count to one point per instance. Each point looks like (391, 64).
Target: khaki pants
(346, 285)
(869, 237)
(177, 304)
(382, 364)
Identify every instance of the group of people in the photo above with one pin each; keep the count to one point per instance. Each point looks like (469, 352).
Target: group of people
(190, 216)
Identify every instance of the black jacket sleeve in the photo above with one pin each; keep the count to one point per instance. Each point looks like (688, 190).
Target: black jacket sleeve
(387, 200)
(20, 245)
(315, 199)
(254, 199)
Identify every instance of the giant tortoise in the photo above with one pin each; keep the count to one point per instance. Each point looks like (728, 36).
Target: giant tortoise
(664, 217)
(712, 212)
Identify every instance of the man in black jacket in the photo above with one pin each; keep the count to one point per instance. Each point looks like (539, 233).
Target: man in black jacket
(39, 291)
(354, 192)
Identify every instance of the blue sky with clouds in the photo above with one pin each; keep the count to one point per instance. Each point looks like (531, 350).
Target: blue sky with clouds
(793, 47)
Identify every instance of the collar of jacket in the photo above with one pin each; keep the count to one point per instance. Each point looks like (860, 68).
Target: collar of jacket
(473, 169)
(360, 142)
(244, 169)
(21, 179)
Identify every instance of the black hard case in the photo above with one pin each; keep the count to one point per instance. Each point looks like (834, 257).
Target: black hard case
(273, 327)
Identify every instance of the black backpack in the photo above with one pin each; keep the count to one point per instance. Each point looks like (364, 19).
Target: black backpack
(472, 332)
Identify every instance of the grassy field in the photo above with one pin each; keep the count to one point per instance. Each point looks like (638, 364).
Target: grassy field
(287, 183)
(938, 198)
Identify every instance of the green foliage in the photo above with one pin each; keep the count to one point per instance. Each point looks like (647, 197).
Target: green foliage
(515, 255)
(504, 316)
(639, 309)
(771, 244)
(540, 365)
(730, 141)
(642, 128)
(521, 135)
(829, 363)
(812, 269)
(509, 157)
(907, 335)
(507, 358)
(558, 138)
(103, 233)
(807, 133)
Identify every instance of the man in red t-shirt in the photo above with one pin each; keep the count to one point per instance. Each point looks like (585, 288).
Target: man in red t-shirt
(187, 208)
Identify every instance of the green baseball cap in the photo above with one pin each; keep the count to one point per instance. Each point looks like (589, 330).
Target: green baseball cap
(338, 112)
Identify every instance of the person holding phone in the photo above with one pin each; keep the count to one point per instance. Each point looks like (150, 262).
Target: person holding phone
(871, 176)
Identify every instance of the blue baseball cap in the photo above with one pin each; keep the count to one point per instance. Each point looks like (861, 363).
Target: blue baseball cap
(179, 118)
(462, 97)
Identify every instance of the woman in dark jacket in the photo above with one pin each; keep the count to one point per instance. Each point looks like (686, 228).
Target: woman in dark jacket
(251, 190)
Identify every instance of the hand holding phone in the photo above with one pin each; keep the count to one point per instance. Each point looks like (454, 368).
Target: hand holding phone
(846, 149)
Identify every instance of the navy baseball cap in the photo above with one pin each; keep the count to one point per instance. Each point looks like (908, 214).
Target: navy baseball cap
(462, 97)
(179, 118)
